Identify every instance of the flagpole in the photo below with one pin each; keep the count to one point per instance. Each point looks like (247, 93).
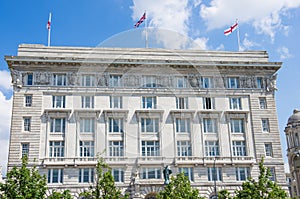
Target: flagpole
(146, 25)
(238, 35)
(49, 29)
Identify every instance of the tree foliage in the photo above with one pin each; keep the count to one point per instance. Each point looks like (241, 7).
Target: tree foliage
(24, 183)
(61, 195)
(105, 185)
(179, 188)
(264, 188)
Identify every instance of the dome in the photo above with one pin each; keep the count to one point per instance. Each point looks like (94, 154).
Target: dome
(295, 117)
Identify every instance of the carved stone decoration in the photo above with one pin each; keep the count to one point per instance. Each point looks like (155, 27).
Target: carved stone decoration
(73, 79)
(271, 83)
(17, 78)
(246, 82)
(219, 82)
(42, 78)
(101, 80)
(193, 80)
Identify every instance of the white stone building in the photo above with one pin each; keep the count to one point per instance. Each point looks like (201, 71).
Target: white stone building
(209, 114)
(292, 132)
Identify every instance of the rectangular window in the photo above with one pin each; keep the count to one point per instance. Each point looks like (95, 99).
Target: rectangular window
(184, 148)
(58, 101)
(208, 103)
(242, 173)
(207, 82)
(28, 100)
(262, 103)
(87, 125)
(59, 80)
(86, 148)
(259, 82)
(265, 125)
(268, 150)
(183, 125)
(56, 149)
(273, 175)
(181, 102)
(29, 79)
(188, 172)
(115, 80)
(212, 148)
(87, 101)
(118, 174)
(87, 80)
(151, 173)
(237, 125)
(214, 174)
(116, 148)
(86, 175)
(55, 175)
(27, 123)
(150, 148)
(115, 125)
(57, 125)
(233, 82)
(149, 82)
(149, 102)
(181, 82)
(235, 103)
(116, 102)
(210, 125)
(25, 149)
(149, 125)
(239, 148)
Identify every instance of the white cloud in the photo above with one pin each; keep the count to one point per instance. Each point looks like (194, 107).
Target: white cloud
(5, 116)
(265, 15)
(5, 80)
(247, 43)
(284, 52)
(201, 43)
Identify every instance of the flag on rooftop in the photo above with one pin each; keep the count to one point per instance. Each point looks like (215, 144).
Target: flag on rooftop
(142, 19)
(231, 29)
(49, 22)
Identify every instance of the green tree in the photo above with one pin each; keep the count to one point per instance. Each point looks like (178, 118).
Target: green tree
(224, 194)
(61, 195)
(263, 189)
(105, 184)
(24, 183)
(179, 188)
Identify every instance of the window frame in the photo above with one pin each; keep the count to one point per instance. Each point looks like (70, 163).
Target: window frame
(238, 173)
(115, 80)
(149, 102)
(56, 149)
(262, 103)
(86, 175)
(29, 79)
(207, 82)
(265, 125)
(233, 83)
(214, 174)
(87, 125)
(59, 79)
(188, 172)
(115, 125)
(60, 176)
(62, 125)
(116, 102)
(239, 149)
(25, 149)
(241, 125)
(149, 125)
(87, 80)
(184, 148)
(28, 100)
(208, 103)
(116, 148)
(87, 101)
(58, 101)
(212, 148)
(86, 148)
(183, 125)
(268, 149)
(235, 103)
(182, 103)
(146, 172)
(213, 125)
(150, 148)
(118, 174)
(149, 81)
(26, 124)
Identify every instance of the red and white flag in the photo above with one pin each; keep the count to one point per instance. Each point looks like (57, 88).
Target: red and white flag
(142, 19)
(49, 22)
(231, 29)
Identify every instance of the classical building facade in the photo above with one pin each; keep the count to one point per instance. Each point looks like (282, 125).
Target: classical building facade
(292, 133)
(209, 114)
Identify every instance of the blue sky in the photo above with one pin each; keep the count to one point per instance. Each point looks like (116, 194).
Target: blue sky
(271, 25)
